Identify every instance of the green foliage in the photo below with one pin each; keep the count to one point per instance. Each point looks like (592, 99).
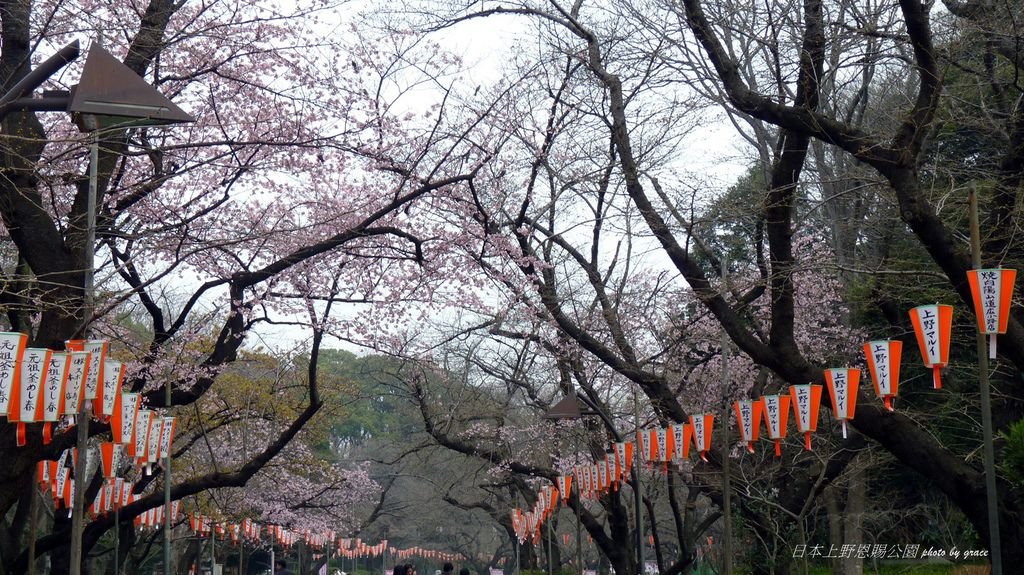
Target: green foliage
(729, 224)
(372, 405)
(1013, 453)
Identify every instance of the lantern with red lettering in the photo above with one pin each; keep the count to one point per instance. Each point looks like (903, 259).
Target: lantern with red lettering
(933, 325)
(806, 400)
(12, 346)
(26, 405)
(775, 409)
(53, 391)
(992, 290)
(748, 420)
(702, 425)
(884, 363)
(842, 387)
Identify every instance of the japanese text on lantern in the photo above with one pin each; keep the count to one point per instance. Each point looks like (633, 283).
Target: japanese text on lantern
(8, 357)
(839, 383)
(32, 378)
(988, 282)
(880, 353)
(73, 390)
(747, 417)
(698, 432)
(771, 408)
(53, 385)
(930, 331)
(803, 405)
(165, 436)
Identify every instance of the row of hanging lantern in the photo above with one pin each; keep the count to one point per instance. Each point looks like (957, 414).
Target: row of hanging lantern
(147, 444)
(55, 476)
(527, 524)
(39, 385)
(348, 547)
(43, 386)
(992, 291)
(246, 531)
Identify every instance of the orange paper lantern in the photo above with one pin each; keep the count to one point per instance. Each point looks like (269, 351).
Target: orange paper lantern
(775, 409)
(702, 426)
(110, 389)
(12, 347)
(681, 433)
(748, 420)
(53, 391)
(564, 486)
(97, 350)
(122, 424)
(842, 387)
(108, 458)
(992, 290)
(74, 387)
(153, 441)
(26, 405)
(933, 325)
(624, 456)
(806, 399)
(884, 362)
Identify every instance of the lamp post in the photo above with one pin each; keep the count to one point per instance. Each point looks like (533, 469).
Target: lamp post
(110, 97)
(569, 408)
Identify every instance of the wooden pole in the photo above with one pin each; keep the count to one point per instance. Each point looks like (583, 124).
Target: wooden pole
(992, 497)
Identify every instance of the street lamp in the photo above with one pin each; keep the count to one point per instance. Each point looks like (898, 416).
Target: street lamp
(569, 407)
(110, 96)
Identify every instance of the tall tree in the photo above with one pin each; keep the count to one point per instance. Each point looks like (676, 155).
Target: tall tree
(298, 191)
(777, 68)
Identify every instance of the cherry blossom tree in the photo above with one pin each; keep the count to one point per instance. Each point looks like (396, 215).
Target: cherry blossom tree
(859, 138)
(300, 191)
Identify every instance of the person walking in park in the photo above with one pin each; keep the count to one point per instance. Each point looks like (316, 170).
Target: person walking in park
(281, 567)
